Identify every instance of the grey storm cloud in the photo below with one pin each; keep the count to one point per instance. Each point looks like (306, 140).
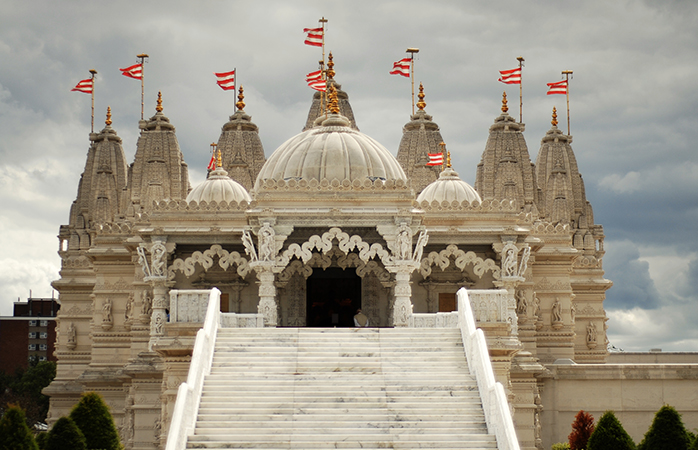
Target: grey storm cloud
(631, 103)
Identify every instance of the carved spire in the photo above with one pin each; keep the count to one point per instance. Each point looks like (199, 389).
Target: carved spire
(330, 68)
(554, 121)
(318, 110)
(505, 108)
(108, 121)
(219, 160)
(159, 107)
(333, 104)
(421, 104)
(240, 105)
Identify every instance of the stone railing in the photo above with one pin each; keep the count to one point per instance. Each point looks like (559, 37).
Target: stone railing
(189, 393)
(494, 400)
(436, 320)
(188, 305)
(236, 320)
(494, 306)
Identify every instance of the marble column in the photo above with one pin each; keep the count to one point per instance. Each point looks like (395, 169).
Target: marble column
(267, 294)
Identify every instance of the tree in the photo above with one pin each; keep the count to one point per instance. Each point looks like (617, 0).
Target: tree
(666, 432)
(24, 388)
(92, 416)
(41, 439)
(610, 435)
(65, 435)
(582, 427)
(14, 432)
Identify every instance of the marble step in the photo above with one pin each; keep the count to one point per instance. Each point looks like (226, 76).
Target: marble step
(234, 394)
(352, 417)
(358, 422)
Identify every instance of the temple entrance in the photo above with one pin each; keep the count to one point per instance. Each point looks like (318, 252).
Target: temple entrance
(333, 296)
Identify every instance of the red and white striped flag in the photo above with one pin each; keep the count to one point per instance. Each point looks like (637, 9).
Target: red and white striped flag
(512, 76)
(85, 86)
(313, 36)
(435, 159)
(315, 81)
(226, 80)
(135, 71)
(212, 163)
(559, 87)
(401, 67)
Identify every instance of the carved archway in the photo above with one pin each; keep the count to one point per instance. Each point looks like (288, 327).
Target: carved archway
(205, 259)
(461, 260)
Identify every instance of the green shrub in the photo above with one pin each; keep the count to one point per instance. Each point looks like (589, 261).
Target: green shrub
(14, 432)
(582, 428)
(41, 439)
(666, 432)
(610, 435)
(561, 446)
(65, 435)
(92, 416)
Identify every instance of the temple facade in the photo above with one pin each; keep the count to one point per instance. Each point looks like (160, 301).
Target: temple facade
(329, 223)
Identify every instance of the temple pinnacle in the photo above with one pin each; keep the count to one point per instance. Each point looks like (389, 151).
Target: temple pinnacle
(159, 107)
(421, 103)
(108, 121)
(554, 121)
(330, 67)
(334, 104)
(505, 108)
(240, 105)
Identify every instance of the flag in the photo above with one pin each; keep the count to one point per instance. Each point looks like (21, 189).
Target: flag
(313, 36)
(315, 81)
(85, 86)
(435, 159)
(226, 80)
(559, 87)
(212, 163)
(401, 67)
(135, 71)
(512, 76)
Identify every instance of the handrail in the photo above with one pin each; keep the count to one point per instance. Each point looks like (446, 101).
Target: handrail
(189, 393)
(494, 400)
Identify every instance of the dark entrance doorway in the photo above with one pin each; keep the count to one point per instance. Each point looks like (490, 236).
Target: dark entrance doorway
(333, 295)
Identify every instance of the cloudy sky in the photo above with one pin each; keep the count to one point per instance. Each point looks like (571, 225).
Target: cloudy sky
(632, 111)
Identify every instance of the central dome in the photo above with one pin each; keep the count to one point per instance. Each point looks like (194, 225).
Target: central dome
(331, 151)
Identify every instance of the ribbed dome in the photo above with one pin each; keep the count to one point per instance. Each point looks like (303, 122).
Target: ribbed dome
(449, 187)
(219, 187)
(331, 151)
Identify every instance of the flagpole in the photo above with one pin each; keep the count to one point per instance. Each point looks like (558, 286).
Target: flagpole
(142, 57)
(323, 21)
(235, 84)
(443, 156)
(521, 61)
(92, 121)
(567, 74)
(412, 51)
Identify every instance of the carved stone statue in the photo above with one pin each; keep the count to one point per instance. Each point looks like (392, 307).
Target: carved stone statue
(146, 304)
(509, 263)
(72, 337)
(159, 259)
(403, 243)
(524, 261)
(143, 261)
(107, 319)
(249, 245)
(129, 308)
(592, 334)
(573, 311)
(159, 322)
(521, 303)
(267, 244)
(556, 314)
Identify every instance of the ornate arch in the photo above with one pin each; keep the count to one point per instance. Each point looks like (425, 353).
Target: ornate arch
(205, 259)
(462, 259)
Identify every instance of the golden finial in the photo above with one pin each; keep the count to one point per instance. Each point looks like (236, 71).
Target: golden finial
(219, 160)
(448, 159)
(334, 103)
(505, 108)
(108, 121)
(159, 107)
(444, 153)
(240, 104)
(421, 103)
(554, 121)
(330, 67)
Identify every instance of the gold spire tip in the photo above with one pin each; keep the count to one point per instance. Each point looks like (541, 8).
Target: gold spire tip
(421, 103)
(505, 108)
(330, 67)
(219, 160)
(240, 104)
(334, 103)
(159, 107)
(554, 121)
(448, 159)
(108, 121)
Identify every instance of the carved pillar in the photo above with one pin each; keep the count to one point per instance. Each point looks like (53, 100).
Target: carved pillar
(267, 293)
(402, 310)
(160, 304)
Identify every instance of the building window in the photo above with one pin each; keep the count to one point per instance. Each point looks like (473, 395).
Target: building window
(42, 358)
(32, 335)
(32, 346)
(43, 347)
(32, 323)
(32, 358)
(43, 335)
(43, 323)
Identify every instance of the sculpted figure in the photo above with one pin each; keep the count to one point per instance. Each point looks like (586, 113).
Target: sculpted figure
(421, 243)
(159, 257)
(249, 245)
(266, 243)
(146, 307)
(557, 311)
(159, 322)
(521, 303)
(536, 305)
(72, 336)
(524, 261)
(129, 308)
(143, 261)
(509, 264)
(591, 333)
(573, 311)
(106, 311)
(403, 243)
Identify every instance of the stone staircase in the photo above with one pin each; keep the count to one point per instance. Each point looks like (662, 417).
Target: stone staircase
(349, 388)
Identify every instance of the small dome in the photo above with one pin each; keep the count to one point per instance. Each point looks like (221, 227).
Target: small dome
(219, 187)
(332, 150)
(449, 187)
